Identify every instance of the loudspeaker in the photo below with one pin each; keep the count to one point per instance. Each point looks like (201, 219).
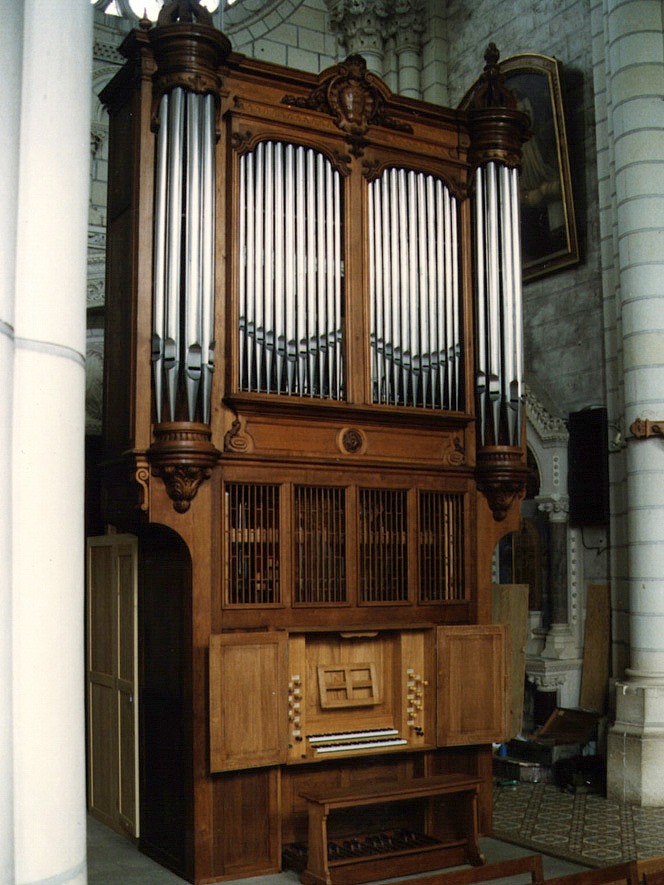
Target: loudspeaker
(588, 467)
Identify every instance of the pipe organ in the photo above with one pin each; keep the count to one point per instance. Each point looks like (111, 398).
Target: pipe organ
(313, 424)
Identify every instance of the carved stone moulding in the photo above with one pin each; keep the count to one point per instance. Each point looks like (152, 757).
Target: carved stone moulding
(183, 456)
(501, 477)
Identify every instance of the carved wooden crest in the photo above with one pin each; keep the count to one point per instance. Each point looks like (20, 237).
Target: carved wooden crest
(354, 99)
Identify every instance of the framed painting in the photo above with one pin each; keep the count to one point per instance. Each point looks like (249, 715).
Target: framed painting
(548, 225)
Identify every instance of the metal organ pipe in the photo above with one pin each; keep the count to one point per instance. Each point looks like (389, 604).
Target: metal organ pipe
(499, 370)
(290, 279)
(183, 285)
(414, 283)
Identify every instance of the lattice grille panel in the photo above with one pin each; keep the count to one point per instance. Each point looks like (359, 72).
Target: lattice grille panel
(441, 547)
(320, 545)
(252, 544)
(383, 545)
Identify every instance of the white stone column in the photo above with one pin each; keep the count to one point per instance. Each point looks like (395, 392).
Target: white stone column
(48, 445)
(10, 95)
(360, 23)
(634, 61)
(409, 24)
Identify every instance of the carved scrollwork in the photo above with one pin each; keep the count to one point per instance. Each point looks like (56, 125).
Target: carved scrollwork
(454, 453)
(352, 100)
(142, 477)
(183, 457)
(237, 439)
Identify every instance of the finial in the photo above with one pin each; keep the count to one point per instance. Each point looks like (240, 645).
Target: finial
(490, 91)
(184, 11)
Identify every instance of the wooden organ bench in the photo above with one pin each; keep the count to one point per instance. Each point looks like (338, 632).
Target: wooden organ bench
(393, 854)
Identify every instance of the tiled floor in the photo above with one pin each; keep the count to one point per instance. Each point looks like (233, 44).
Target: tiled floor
(583, 827)
(113, 860)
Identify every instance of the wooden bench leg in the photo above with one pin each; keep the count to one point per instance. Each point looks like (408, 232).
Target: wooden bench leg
(317, 871)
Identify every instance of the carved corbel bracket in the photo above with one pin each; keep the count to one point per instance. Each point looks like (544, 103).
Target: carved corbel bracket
(183, 456)
(501, 477)
(644, 428)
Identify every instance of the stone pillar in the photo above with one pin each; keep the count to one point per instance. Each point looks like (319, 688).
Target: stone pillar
(559, 641)
(47, 448)
(409, 24)
(557, 667)
(634, 63)
(10, 114)
(360, 24)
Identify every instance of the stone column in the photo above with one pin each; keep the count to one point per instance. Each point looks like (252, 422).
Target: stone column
(409, 24)
(10, 114)
(559, 641)
(634, 64)
(361, 25)
(557, 666)
(47, 448)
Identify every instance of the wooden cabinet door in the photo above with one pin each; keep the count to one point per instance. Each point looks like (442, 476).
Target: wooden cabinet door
(471, 682)
(248, 700)
(112, 695)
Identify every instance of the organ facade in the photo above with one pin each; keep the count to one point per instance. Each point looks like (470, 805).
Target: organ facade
(314, 426)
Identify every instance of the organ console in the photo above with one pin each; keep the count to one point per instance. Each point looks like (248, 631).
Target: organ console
(313, 423)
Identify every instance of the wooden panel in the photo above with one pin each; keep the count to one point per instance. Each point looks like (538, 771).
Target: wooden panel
(101, 611)
(246, 841)
(510, 606)
(248, 718)
(127, 688)
(471, 685)
(102, 753)
(111, 674)
(596, 640)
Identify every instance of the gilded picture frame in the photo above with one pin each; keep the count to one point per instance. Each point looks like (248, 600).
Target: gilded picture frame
(548, 221)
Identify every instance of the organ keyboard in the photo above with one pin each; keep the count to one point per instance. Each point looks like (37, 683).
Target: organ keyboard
(354, 741)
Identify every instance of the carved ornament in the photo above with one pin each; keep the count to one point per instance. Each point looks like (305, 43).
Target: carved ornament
(501, 477)
(183, 456)
(644, 428)
(354, 99)
(237, 439)
(351, 441)
(142, 477)
(454, 453)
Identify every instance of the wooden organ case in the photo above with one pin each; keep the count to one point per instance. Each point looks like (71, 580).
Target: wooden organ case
(313, 424)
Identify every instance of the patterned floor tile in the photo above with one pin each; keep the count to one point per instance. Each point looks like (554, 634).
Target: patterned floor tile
(582, 827)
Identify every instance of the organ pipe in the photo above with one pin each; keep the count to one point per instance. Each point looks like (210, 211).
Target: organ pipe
(290, 281)
(416, 331)
(499, 366)
(183, 279)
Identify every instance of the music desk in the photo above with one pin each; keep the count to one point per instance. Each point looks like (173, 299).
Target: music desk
(445, 847)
